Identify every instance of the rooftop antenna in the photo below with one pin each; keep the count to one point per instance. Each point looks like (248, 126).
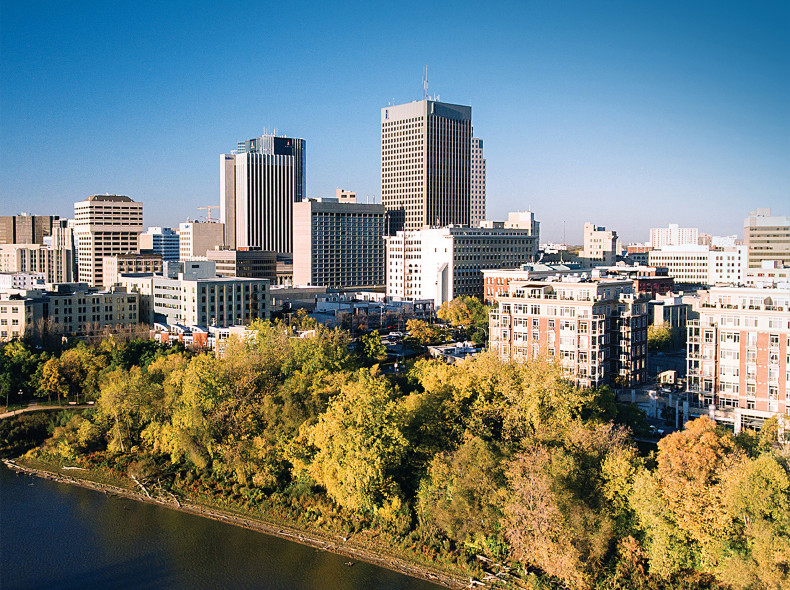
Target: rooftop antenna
(425, 84)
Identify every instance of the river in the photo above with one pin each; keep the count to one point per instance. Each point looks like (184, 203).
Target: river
(57, 536)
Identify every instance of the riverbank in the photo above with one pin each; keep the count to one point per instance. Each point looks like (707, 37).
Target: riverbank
(354, 547)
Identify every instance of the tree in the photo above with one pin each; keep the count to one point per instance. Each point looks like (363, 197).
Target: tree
(467, 314)
(424, 333)
(359, 446)
(371, 347)
(659, 337)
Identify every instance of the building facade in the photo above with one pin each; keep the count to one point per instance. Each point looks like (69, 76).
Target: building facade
(56, 264)
(478, 184)
(595, 329)
(249, 264)
(258, 186)
(26, 229)
(673, 235)
(197, 238)
(163, 241)
(426, 159)
(104, 225)
(767, 237)
(114, 266)
(340, 244)
(702, 265)
(737, 354)
(600, 245)
(443, 263)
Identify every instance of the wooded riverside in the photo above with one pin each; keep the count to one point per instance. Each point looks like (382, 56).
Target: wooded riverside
(476, 467)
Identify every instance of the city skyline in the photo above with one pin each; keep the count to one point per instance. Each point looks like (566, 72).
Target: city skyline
(626, 116)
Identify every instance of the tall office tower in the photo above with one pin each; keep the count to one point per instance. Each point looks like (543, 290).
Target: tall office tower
(259, 184)
(767, 237)
(478, 184)
(162, 241)
(426, 159)
(673, 235)
(104, 225)
(25, 229)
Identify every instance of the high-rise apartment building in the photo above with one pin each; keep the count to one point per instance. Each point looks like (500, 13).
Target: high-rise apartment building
(104, 225)
(26, 229)
(195, 239)
(674, 235)
(259, 184)
(426, 159)
(161, 240)
(600, 245)
(737, 354)
(478, 183)
(340, 243)
(596, 329)
(767, 237)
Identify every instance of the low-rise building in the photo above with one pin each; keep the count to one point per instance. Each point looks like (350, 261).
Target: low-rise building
(118, 264)
(702, 265)
(248, 264)
(769, 274)
(737, 354)
(595, 328)
(160, 240)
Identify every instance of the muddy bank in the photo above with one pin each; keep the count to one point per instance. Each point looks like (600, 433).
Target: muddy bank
(345, 546)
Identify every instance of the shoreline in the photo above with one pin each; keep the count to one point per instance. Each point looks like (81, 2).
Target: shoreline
(342, 546)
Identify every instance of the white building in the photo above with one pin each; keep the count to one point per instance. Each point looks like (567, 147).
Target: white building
(161, 240)
(259, 184)
(673, 235)
(104, 225)
(426, 159)
(478, 184)
(443, 263)
(701, 265)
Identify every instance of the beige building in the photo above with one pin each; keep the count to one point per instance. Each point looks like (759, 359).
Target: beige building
(340, 243)
(72, 311)
(596, 329)
(702, 265)
(767, 237)
(478, 184)
(114, 266)
(195, 239)
(55, 264)
(737, 354)
(26, 229)
(104, 225)
(426, 159)
(600, 246)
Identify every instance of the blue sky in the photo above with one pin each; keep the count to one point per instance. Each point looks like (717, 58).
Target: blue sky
(627, 114)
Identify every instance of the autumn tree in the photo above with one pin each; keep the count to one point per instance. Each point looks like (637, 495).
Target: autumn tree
(424, 333)
(469, 315)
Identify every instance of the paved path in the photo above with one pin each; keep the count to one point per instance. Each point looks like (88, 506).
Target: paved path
(38, 408)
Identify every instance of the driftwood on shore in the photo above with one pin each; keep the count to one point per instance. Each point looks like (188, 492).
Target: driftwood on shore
(311, 539)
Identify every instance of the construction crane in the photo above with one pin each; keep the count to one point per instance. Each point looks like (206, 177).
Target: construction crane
(209, 208)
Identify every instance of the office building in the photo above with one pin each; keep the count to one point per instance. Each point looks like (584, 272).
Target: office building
(426, 159)
(443, 263)
(259, 184)
(56, 265)
(248, 264)
(737, 354)
(26, 229)
(767, 237)
(340, 244)
(769, 274)
(114, 266)
(163, 241)
(478, 184)
(600, 246)
(104, 225)
(702, 265)
(197, 238)
(595, 328)
(673, 235)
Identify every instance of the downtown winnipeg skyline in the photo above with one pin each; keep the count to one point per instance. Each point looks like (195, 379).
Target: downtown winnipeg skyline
(629, 116)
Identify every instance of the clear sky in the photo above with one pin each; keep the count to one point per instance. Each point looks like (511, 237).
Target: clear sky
(627, 114)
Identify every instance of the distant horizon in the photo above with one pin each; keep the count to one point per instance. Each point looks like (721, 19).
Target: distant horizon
(629, 116)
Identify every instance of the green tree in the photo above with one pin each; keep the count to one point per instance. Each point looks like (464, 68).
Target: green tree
(467, 314)
(659, 337)
(371, 347)
(423, 333)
